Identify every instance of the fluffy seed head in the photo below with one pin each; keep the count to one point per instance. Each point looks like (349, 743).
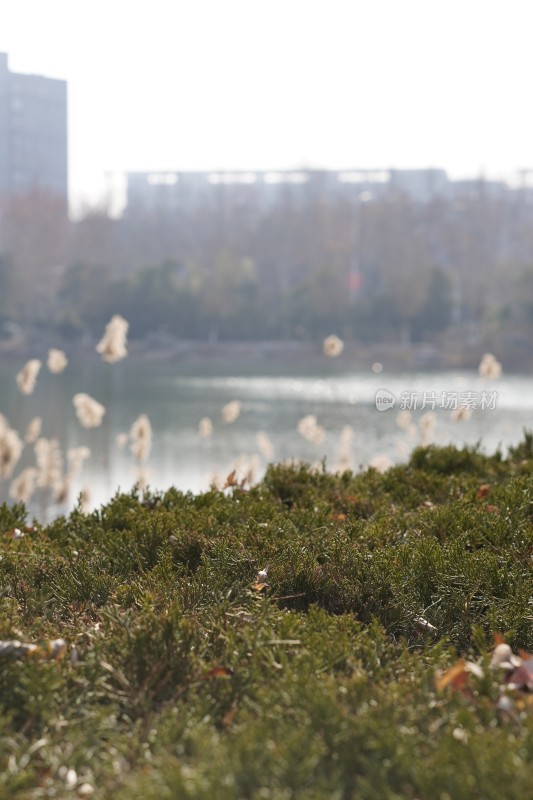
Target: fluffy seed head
(33, 430)
(490, 368)
(265, 445)
(57, 360)
(403, 420)
(311, 430)
(76, 456)
(112, 345)
(10, 450)
(88, 410)
(332, 346)
(231, 411)
(141, 438)
(23, 486)
(49, 460)
(28, 375)
(461, 414)
(205, 428)
(122, 440)
(381, 463)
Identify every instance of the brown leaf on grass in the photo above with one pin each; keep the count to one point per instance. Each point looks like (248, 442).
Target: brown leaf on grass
(217, 672)
(492, 510)
(458, 676)
(56, 649)
(260, 586)
(483, 490)
(338, 516)
(229, 716)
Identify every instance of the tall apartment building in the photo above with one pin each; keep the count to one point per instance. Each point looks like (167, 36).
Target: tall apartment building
(33, 133)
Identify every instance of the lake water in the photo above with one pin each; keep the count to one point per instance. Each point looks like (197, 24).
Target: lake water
(273, 399)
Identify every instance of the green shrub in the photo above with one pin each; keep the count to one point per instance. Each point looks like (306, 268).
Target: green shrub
(188, 681)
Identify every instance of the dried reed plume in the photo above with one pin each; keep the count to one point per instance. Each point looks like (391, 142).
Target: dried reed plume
(49, 460)
(381, 463)
(62, 490)
(23, 486)
(57, 360)
(426, 426)
(33, 430)
(402, 448)
(76, 456)
(141, 438)
(88, 410)
(10, 448)
(143, 478)
(265, 445)
(403, 420)
(112, 345)
(345, 456)
(490, 367)
(332, 346)
(461, 414)
(28, 375)
(311, 430)
(122, 440)
(205, 428)
(231, 411)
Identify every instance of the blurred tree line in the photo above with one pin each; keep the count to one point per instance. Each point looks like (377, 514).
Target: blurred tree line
(383, 270)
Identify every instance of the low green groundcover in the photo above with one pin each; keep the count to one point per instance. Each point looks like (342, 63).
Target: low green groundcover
(184, 673)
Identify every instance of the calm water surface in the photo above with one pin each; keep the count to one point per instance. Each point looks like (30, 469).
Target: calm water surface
(273, 399)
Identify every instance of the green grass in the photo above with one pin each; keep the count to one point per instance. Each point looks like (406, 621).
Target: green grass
(326, 684)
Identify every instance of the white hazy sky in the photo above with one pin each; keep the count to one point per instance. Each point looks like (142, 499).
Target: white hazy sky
(202, 84)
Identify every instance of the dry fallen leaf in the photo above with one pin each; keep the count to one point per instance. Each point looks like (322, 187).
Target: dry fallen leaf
(338, 516)
(260, 586)
(217, 672)
(458, 676)
(230, 480)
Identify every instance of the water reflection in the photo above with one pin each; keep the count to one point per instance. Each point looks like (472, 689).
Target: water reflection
(176, 398)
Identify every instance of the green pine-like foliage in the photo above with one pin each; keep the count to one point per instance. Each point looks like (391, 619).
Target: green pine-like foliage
(185, 679)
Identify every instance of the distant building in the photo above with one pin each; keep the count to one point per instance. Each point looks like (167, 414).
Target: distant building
(186, 191)
(33, 133)
(422, 185)
(173, 191)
